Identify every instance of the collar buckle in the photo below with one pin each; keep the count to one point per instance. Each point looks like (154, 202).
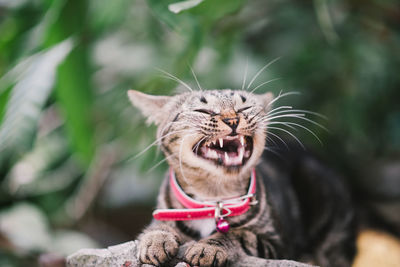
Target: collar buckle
(253, 200)
(219, 211)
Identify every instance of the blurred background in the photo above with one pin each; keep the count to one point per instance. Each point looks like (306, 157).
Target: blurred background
(69, 174)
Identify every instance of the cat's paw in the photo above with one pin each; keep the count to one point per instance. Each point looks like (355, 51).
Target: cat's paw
(203, 254)
(157, 247)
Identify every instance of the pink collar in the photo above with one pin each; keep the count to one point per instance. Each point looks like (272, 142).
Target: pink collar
(197, 210)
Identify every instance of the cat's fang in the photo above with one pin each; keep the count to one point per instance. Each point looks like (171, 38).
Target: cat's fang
(221, 142)
(242, 140)
(241, 154)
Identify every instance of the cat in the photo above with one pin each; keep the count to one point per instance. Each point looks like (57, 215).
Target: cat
(214, 143)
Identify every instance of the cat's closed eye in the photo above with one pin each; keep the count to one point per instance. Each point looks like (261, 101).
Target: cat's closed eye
(206, 111)
(243, 109)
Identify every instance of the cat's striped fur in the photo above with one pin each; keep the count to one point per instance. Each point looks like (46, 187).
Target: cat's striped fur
(304, 211)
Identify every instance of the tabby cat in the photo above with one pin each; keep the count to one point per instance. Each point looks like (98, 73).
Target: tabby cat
(212, 140)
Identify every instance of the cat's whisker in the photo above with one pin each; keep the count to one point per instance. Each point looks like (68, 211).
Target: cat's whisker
(281, 123)
(255, 115)
(245, 73)
(169, 124)
(298, 125)
(289, 133)
(286, 124)
(160, 162)
(179, 81)
(300, 110)
(273, 152)
(172, 77)
(264, 83)
(182, 124)
(298, 116)
(260, 71)
(294, 115)
(175, 132)
(272, 140)
(282, 95)
(278, 108)
(315, 123)
(196, 147)
(195, 77)
(279, 138)
(158, 140)
(275, 110)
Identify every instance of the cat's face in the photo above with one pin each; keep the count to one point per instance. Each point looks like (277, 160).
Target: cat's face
(217, 133)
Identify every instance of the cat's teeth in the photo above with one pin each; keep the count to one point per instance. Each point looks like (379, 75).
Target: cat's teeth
(227, 159)
(214, 142)
(211, 154)
(241, 154)
(221, 142)
(242, 140)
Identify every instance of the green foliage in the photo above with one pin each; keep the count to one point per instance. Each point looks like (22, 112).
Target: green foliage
(28, 96)
(75, 98)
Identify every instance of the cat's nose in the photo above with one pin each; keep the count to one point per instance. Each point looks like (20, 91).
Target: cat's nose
(233, 123)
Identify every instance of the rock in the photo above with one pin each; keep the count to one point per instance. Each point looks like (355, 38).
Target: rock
(124, 255)
(119, 255)
(248, 261)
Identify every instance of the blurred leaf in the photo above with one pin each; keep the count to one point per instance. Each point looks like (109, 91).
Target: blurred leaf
(40, 35)
(325, 20)
(184, 5)
(12, 4)
(62, 26)
(25, 226)
(105, 14)
(183, 24)
(44, 170)
(3, 101)
(209, 13)
(27, 99)
(75, 98)
(66, 242)
(73, 89)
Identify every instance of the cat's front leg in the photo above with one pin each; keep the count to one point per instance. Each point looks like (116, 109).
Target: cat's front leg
(207, 252)
(221, 249)
(158, 244)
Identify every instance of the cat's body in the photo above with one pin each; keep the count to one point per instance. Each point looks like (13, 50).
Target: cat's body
(212, 141)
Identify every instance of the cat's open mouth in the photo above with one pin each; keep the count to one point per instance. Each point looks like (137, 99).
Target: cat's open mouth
(228, 151)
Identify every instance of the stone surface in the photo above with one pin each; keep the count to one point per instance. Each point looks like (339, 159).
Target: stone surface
(124, 255)
(119, 255)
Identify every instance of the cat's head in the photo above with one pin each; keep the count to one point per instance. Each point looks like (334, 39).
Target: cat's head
(218, 134)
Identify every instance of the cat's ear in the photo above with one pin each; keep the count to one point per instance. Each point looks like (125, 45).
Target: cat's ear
(267, 99)
(153, 107)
